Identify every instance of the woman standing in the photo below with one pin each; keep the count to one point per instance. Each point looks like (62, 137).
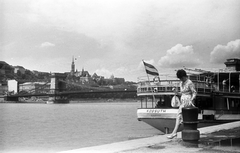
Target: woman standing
(188, 95)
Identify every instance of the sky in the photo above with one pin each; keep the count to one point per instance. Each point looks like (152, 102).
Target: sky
(112, 37)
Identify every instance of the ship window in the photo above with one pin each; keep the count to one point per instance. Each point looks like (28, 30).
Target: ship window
(233, 104)
(169, 88)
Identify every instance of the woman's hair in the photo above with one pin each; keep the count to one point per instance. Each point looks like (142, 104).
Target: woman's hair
(181, 73)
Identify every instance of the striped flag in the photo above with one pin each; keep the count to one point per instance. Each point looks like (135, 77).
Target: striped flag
(150, 69)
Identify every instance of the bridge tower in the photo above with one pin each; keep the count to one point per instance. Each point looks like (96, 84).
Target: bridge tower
(57, 86)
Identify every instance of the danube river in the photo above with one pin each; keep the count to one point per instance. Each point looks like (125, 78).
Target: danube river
(59, 127)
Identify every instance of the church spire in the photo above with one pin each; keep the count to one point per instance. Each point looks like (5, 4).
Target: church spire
(73, 66)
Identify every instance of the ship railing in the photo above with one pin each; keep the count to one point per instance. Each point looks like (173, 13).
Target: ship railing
(204, 87)
(161, 86)
(169, 85)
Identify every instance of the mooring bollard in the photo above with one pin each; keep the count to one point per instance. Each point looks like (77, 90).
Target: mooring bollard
(190, 121)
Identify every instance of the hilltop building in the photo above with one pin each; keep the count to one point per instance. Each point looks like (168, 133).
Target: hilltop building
(83, 77)
(19, 69)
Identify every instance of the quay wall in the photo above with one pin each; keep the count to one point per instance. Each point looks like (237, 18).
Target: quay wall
(72, 96)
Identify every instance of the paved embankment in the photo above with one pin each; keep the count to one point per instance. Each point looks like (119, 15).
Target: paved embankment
(156, 143)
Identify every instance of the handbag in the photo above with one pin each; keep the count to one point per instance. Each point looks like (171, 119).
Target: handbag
(175, 102)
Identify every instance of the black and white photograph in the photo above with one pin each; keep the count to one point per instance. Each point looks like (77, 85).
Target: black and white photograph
(119, 76)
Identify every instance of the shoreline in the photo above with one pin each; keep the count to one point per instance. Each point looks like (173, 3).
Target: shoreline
(80, 100)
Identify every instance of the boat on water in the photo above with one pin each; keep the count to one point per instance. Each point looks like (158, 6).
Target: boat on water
(218, 97)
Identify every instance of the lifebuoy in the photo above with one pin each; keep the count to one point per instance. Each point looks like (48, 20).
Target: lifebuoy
(156, 79)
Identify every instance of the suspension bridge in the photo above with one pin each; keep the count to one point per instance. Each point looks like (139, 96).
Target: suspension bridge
(58, 90)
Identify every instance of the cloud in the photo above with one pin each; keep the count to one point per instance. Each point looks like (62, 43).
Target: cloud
(103, 72)
(179, 56)
(121, 71)
(47, 44)
(97, 19)
(220, 53)
(118, 72)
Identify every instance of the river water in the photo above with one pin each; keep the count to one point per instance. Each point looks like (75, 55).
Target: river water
(59, 127)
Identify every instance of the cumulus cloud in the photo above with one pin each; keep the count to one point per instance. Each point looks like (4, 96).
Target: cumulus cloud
(47, 44)
(220, 53)
(179, 56)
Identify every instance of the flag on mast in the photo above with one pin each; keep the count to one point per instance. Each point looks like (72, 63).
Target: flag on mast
(150, 69)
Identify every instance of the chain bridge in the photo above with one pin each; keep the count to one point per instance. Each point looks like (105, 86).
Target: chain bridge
(59, 90)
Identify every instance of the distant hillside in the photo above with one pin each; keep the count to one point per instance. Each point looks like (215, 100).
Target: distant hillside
(21, 74)
(7, 72)
(5, 68)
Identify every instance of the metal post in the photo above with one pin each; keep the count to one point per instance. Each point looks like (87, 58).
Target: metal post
(152, 103)
(239, 83)
(146, 101)
(218, 81)
(229, 84)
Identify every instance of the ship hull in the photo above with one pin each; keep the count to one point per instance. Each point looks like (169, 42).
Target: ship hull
(164, 119)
